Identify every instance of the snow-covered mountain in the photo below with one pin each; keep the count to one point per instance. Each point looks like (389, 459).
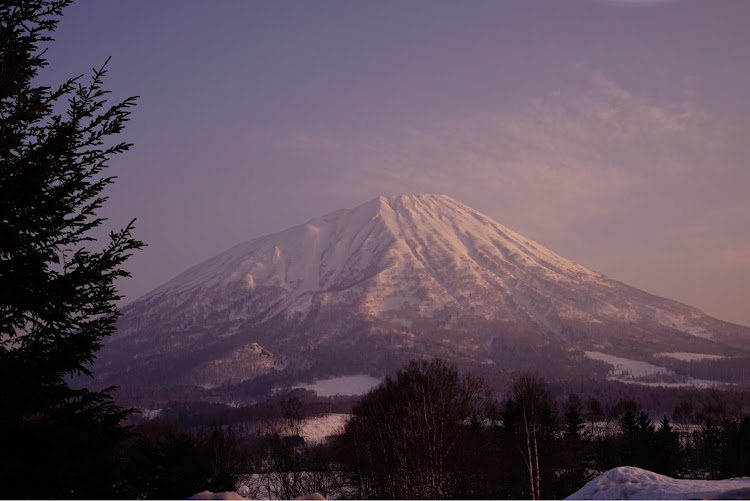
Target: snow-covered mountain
(362, 290)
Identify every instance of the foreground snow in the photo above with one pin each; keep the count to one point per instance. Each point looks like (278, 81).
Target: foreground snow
(624, 482)
(628, 482)
(243, 495)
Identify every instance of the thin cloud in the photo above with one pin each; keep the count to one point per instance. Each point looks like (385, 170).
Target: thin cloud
(735, 257)
(587, 149)
(718, 222)
(306, 141)
(636, 3)
(584, 149)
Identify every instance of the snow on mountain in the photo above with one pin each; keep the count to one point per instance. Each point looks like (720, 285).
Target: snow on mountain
(629, 482)
(361, 290)
(443, 244)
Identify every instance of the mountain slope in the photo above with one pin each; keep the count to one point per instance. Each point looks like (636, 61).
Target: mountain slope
(361, 290)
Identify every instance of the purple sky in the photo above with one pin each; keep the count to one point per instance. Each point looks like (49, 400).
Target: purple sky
(617, 133)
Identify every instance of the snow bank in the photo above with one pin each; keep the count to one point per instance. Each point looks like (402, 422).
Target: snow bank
(235, 495)
(216, 495)
(628, 482)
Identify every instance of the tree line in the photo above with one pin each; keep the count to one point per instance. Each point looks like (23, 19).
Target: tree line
(432, 432)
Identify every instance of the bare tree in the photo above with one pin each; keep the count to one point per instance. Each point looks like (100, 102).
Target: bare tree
(289, 467)
(530, 415)
(404, 436)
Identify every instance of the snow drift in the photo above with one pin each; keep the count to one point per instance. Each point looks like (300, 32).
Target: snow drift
(628, 482)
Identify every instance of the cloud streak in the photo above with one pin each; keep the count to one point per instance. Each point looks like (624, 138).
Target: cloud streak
(586, 148)
(636, 3)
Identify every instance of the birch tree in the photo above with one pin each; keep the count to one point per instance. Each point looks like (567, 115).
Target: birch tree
(530, 416)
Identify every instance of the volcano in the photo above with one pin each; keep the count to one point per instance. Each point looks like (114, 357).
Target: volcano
(361, 291)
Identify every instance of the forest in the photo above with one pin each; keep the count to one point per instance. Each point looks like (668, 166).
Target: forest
(433, 432)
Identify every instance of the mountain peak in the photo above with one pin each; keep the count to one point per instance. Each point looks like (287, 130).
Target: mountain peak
(425, 233)
(427, 202)
(388, 206)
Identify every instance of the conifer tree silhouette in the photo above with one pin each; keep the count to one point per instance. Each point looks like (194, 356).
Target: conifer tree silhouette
(57, 293)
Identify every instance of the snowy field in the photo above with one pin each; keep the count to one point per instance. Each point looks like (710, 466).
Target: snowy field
(317, 429)
(623, 367)
(628, 482)
(689, 357)
(631, 371)
(345, 385)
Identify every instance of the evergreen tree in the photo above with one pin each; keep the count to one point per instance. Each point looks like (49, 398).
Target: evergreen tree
(744, 447)
(572, 449)
(627, 445)
(637, 439)
(165, 464)
(667, 454)
(645, 441)
(573, 418)
(57, 294)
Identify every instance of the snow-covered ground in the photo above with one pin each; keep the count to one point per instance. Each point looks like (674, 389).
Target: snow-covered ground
(243, 494)
(626, 367)
(317, 429)
(624, 482)
(345, 385)
(217, 495)
(627, 370)
(689, 357)
(628, 482)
